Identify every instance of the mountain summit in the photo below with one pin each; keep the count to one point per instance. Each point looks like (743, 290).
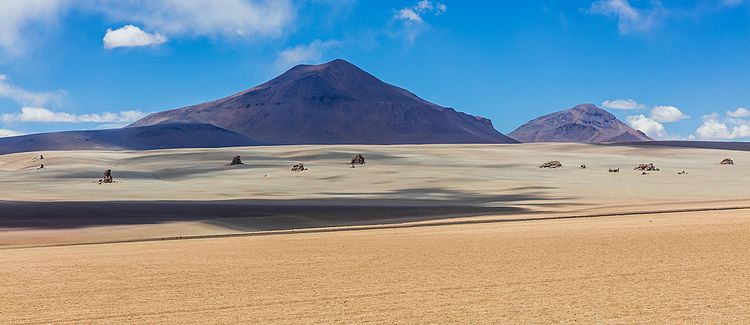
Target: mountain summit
(584, 123)
(332, 103)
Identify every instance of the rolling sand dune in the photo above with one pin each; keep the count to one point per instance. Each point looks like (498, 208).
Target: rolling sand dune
(420, 234)
(398, 184)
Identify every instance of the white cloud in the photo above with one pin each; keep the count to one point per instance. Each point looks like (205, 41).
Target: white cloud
(667, 114)
(409, 14)
(740, 112)
(309, 53)
(624, 104)
(414, 13)
(234, 18)
(630, 19)
(27, 97)
(713, 128)
(189, 18)
(131, 36)
(411, 21)
(9, 133)
(646, 125)
(39, 114)
(16, 16)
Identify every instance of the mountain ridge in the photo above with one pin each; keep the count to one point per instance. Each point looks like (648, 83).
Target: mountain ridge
(585, 123)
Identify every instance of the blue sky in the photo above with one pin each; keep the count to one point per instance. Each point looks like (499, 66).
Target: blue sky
(674, 69)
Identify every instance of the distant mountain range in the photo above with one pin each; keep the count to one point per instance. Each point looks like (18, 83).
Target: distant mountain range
(583, 123)
(333, 103)
(165, 136)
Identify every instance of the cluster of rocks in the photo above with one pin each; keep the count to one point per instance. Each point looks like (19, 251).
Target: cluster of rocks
(646, 168)
(727, 161)
(614, 170)
(299, 168)
(682, 173)
(107, 177)
(358, 160)
(551, 164)
(236, 161)
(583, 166)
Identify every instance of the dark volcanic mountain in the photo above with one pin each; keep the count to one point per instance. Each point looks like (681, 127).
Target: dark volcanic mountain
(331, 103)
(183, 135)
(583, 123)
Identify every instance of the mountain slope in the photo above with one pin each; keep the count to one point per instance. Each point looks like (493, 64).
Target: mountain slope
(183, 135)
(331, 103)
(583, 123)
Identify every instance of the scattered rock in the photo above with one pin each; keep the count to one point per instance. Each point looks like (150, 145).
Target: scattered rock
(682, 173)
(727, 161)
(647, 167)
(583, 166)
(236, 161)
(41, 157)
(644, 173)
(614, 170)
(41, 167)
(551, 164)
(358, 160)
(299, 168)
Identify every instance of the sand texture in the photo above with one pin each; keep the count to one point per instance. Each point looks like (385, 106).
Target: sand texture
(420, 234)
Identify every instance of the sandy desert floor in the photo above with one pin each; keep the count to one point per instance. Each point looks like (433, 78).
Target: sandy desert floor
(669, 268)
(426, 234)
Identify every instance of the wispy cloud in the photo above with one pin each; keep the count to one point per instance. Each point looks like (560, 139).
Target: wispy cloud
(740, 112)
(43, 115)
(623, 104)
(232, 18)
(412, 21)
(629, 19)
(28, 97)
(306, 53)
(17, 16)
(131, 36)
(9, 133)
(173, 18)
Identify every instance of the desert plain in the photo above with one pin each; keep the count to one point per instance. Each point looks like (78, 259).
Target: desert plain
(419, 234)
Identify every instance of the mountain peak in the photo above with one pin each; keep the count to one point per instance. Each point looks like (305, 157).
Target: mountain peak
(339, 64)
(585, 123)
(333, 102)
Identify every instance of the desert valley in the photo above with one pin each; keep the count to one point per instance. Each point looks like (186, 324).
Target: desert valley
(255, 209)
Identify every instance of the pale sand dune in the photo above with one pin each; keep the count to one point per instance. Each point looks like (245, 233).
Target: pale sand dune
(466, 234)
(163, 191)
(670, 268)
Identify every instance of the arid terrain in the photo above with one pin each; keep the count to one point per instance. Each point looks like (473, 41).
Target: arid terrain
(425, 234)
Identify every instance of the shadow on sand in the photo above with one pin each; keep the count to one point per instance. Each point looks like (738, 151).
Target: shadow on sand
(264, 215)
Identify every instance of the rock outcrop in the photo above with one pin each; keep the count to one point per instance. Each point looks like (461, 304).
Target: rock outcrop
(358, 160)
(646, 167)
(551, 164)
(236, 161)
(299, 168)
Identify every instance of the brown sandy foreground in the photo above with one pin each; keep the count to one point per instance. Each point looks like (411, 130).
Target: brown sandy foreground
(668, 268)
(420, 234)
